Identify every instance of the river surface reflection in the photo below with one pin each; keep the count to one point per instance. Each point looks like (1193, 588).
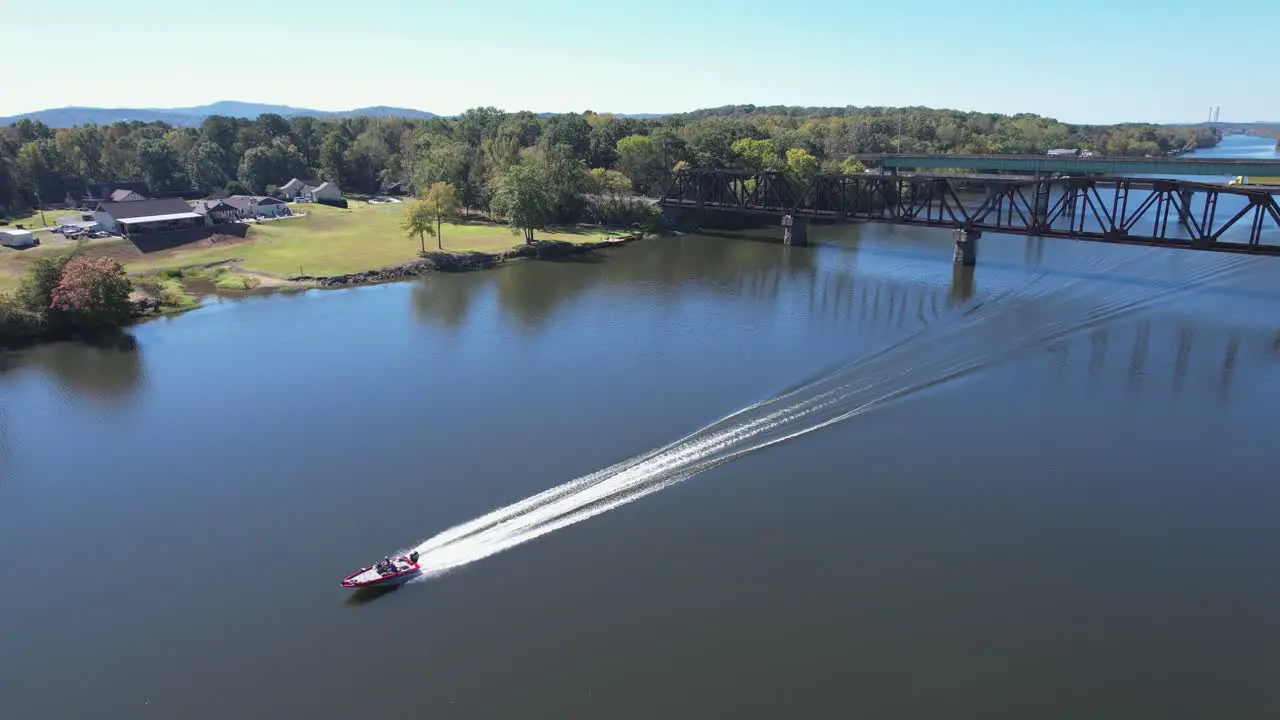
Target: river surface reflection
(1080, 524)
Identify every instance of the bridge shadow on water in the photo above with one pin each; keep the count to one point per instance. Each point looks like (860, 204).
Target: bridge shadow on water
(756, 266)
(1035, 266)
(1147, 358)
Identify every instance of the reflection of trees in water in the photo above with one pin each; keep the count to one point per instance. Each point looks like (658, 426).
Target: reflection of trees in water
(757, 270)
(533, 291)
(444, 299)
(669, 267)
(109, 369)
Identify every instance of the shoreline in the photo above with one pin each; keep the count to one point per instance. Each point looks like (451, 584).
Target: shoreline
(147, 306)
(443, 261)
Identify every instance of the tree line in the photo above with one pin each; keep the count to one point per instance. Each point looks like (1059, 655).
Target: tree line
(490, 156)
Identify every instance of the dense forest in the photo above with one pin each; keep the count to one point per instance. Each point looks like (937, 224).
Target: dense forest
(566, 156)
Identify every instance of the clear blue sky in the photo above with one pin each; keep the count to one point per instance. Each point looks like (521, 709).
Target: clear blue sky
(1078, 60)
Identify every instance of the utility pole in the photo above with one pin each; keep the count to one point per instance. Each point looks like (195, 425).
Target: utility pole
(39, 205)
(899, 132)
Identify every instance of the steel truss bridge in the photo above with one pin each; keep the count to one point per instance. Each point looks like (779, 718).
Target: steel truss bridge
(1073, 164)
(1142, 211)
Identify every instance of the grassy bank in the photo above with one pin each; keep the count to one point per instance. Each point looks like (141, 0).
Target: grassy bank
(33, 221)
(327, 241)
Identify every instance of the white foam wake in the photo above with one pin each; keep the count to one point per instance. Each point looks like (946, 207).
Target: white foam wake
(974, 338)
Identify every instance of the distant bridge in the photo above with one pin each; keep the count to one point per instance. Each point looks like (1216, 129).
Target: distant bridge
(1047, 164)
(1163, 212)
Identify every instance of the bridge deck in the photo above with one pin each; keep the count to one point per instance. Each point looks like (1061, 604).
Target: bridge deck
(1031, 164)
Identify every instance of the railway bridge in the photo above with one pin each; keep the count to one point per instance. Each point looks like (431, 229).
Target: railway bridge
(1169, 212)
(1072, 164)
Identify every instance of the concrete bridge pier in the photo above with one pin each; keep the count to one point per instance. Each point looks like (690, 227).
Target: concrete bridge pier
(795, 231)
(966, 253)
(670, 219)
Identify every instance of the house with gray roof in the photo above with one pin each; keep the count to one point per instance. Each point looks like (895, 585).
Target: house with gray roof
(257, 205)
(216, 212)
(145, 216)
(311, 191)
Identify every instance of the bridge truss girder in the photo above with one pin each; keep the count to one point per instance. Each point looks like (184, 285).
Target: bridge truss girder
(1144, 211)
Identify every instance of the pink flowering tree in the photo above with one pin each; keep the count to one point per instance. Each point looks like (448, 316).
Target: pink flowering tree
(92, 292)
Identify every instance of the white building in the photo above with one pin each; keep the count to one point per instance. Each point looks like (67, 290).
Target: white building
(324, 191)
(16, 238)
(310, 190)
(256, 206)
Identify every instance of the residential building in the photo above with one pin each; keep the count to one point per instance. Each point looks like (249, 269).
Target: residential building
(216, 212)
(310, 190)
(144, 216)
(294, 187)
(109, 192)
(257, 206)
(126, 195)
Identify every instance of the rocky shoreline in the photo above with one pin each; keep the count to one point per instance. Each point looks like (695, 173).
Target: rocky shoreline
(462, 262)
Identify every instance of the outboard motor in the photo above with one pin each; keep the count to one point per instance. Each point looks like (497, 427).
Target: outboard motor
(413, 556)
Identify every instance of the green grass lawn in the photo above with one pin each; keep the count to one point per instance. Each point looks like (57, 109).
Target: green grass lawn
(9, 282)
(328, 241)
(332, 241)
(33, 221)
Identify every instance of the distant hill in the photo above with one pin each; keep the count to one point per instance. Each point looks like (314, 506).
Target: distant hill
(635, 116)
(191, 116)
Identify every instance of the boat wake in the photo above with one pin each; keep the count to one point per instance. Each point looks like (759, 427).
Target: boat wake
(1040, 312)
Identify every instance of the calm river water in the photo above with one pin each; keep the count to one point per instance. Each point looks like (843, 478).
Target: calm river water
(1069, 507)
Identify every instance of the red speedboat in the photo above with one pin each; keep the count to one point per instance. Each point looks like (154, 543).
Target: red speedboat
(384, 573)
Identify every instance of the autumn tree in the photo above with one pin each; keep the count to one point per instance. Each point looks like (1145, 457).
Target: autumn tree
(35, 294)
(442, 200)
(419, 220)
(91, 293)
